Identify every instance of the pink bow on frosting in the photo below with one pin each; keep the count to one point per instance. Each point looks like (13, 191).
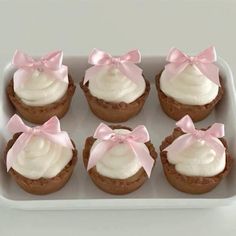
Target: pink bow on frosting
(192, 134)
(50, 130)
(125, 64)
(50, 63)
(109, 139)
(204, 61)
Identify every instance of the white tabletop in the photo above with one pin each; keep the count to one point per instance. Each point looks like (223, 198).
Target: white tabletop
(116, 26)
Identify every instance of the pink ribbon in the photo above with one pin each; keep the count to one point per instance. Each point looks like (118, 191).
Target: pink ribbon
(125, 64)
(109, 139)
(50, 130)
(50, 63)
(192, 134)
(204, 61)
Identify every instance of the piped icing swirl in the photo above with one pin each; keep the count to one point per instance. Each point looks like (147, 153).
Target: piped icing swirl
(112, 86)
(198, 159)
(42, 158)
(41, 88)
(189, 87)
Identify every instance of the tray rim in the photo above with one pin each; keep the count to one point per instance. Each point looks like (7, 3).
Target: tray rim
(121, 204)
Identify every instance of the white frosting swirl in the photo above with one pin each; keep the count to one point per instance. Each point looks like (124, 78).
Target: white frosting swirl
(119, 162)
(189, 87)
(199, 159)
(112, 86)
(42, 158)
(40, 88)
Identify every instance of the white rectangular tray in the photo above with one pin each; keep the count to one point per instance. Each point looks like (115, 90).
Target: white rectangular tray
(80, 192)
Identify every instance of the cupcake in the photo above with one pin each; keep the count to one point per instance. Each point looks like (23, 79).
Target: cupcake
(195, 161)
(40, 89)
(189, 85)
(114, 87)
(118, 159)
(41, 159)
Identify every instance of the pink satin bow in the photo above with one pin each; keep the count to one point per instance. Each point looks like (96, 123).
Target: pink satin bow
(50, 130)
(192, 134)
(50, 63)
(204, 61)
(125, 64)
(109, 139)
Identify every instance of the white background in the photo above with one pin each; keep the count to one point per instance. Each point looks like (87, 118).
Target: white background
(117, 26)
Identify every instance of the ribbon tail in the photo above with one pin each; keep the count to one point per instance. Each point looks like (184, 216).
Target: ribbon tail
(175, 68)
(211, 71)
(91, 73)
(20, 77)
(131, 71)
(61, 138)
(17, 147)
(180, 143)
(143, 155)
(219, 148)
(98, 152)
(61, 74)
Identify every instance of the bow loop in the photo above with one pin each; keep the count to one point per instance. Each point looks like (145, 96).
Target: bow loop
(108, 139)
(16, 125)
(22, 60)
(53, 60)
(186, 125)
(103, 132)
(216, 130)
(176, 56)
(133, 56)
(140, 134)
(207, 56)
(51, 126)
(99, 57)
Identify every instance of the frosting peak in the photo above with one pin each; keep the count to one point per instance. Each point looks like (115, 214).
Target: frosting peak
(42, 158)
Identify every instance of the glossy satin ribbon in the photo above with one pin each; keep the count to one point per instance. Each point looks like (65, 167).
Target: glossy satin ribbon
(125, 64)
(204, 61)
(192, 134)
